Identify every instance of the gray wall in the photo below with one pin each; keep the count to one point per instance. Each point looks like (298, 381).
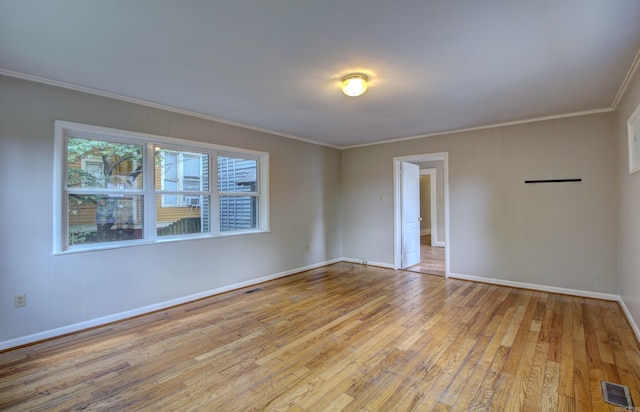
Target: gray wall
(64, 290)
(561, 235)
(629, 244)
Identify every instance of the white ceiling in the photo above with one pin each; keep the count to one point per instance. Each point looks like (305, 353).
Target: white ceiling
(276, 65)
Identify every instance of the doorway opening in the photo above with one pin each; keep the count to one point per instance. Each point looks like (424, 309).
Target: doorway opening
(424, 251)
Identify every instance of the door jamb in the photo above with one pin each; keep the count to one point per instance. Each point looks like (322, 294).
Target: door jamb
(397, 205)
(433, 207)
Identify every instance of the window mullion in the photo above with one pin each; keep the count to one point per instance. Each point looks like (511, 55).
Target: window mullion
(149, 186)
(215, 193)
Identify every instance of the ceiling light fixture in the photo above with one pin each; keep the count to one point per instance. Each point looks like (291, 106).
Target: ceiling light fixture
(354, 84)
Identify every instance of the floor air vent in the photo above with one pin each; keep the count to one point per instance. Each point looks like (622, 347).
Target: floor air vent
(253, 290)
(616, 394)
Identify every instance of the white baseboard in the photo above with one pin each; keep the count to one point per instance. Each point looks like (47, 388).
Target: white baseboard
(436, 243)
(424, 232)
(632, 321)
(369, 262)
(533, 286)
(76, 327)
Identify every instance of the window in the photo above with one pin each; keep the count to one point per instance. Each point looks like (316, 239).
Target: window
(183, 183)
(237, 193)
(633, 129)
(102, 190)
(118, 188)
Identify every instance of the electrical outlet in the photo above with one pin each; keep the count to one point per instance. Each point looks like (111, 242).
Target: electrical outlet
(20, 301)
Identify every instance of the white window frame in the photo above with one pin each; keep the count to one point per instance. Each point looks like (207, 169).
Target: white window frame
(229, 193)
(63, 129)
(633, 130)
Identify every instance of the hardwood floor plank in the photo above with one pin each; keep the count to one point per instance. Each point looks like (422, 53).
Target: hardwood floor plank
(566, 404)
(484, 394)
(604, 346)
(582, 394)
(597, 402)
(549, 395)
(341, 337)
(556, 332)
(339, 403)
(521, 377)
(566, 353)
(533, 396)
(546, 324)
(501, 393)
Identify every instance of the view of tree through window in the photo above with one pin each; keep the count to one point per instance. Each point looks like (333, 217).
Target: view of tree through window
(103, 185)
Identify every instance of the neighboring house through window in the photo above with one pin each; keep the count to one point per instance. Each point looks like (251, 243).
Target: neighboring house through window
(181, 171)
(93, 166)
(237, 188)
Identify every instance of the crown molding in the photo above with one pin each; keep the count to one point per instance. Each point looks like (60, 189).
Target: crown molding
(489, 126)
(153, 105)
(633, 70)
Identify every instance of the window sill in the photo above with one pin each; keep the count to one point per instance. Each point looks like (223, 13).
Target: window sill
(168, 239)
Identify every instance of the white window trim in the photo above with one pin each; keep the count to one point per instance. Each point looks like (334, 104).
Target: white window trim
(259, 178)
(149, 141)
(633, 131)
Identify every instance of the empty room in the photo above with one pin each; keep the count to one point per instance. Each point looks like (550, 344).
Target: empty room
(310, 206)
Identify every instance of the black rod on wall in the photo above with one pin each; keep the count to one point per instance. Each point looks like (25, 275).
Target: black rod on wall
(553, 181)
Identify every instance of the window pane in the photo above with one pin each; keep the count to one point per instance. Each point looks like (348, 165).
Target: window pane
(104, 218)
(95, 169)
(237, 175)
(238, 212)
(191, 166)
(193, 218)
(173, 168)
(191, 185)
(169, 200)
(99, 164)
(170, 163)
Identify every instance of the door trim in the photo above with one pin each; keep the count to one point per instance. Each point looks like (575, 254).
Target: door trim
(397, 205)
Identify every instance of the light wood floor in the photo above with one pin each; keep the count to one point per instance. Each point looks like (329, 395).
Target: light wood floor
(342, 337)
(431, 258)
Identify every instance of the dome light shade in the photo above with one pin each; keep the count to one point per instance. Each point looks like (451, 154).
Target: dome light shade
(354, 84)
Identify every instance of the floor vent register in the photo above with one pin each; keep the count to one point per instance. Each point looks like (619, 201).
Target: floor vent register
(616, 394)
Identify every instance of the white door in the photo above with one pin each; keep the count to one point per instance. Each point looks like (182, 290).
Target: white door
(410, 189)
